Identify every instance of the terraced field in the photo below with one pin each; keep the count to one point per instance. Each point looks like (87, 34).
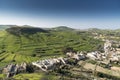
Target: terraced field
(17, 46)
(36, 76)
(8, 58)
(25, 46)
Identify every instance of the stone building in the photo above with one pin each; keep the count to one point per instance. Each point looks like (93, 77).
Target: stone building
(13, 69)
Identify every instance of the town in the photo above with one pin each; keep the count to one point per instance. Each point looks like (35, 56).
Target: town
(108, 57)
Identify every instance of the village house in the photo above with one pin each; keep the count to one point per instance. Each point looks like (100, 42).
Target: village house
(13, 69)
(48, 63)
(77, 56)
(110, 53)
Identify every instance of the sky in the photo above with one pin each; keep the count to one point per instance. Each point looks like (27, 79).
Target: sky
(79, 14)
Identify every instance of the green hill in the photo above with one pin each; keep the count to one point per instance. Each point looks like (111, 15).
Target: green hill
(62, 28)
(24, 30)
(18, 44)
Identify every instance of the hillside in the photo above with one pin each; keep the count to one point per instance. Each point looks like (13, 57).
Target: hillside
(24, 30)
(29, 44)
(16, 43)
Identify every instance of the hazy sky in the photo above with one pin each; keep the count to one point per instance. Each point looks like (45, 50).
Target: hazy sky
(51, 13)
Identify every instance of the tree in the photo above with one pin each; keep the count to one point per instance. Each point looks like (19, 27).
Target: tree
(67, 49)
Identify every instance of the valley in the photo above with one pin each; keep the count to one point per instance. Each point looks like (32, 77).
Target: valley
(26, 44)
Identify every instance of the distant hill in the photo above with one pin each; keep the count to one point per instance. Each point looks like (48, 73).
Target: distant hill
(93, 29)
(2, 27)
(63, 28)
(118, 30)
